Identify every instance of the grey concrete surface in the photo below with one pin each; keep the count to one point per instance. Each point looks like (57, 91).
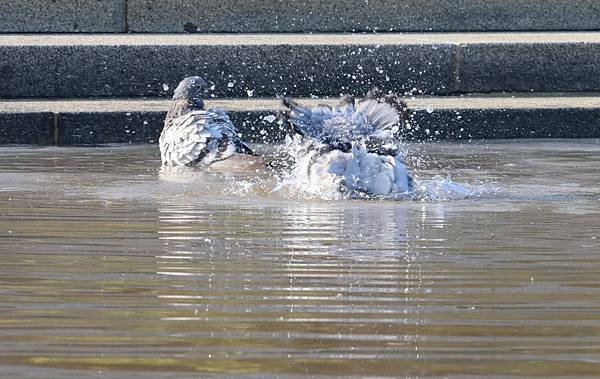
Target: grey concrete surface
(77, 128)
(297, 65)
(65, 16)
(27, 127)
(121, 69)
(474, 124)
(530, 67)
(84, 128)
(159, 16)
(140, 121)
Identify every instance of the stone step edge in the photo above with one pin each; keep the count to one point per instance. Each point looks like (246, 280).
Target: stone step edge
(253, 39)
(101, 121)
(471, 101)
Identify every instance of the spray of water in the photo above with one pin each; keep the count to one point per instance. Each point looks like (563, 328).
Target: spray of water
(349, 152)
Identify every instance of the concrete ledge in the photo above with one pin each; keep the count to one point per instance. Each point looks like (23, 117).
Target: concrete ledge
(27, 127)
(297, 65)
(529, 67)
(140, 121)
(259, 16)
(476, 124)
(65, 16)
(126, 66)
(159, 16)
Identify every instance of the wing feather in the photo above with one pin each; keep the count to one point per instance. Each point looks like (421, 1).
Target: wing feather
(379, 115)
(195, 138)
(307, 121)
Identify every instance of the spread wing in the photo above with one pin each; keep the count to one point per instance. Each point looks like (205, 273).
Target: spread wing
(380, 116)
(306, 121)
(199, 137)
(374, 121)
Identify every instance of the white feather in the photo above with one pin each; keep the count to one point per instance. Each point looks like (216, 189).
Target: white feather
(326, 165)
(195, 137)
(355, 173)
(346, 123)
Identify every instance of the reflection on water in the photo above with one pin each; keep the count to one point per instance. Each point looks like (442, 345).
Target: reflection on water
(110, 268)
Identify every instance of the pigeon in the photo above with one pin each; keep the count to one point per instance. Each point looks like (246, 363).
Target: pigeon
(193, 135)
(353, 148)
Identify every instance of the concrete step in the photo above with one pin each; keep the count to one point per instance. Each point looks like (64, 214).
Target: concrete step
(258, 65)
(96, 121)
(159, 16)
(63, 16)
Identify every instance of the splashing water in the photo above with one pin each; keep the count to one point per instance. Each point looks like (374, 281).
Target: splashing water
(354, 150)
(306, 177)
(445, 189)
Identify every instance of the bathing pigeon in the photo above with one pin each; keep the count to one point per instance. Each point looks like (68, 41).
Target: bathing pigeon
(352, 148)
(193, 135)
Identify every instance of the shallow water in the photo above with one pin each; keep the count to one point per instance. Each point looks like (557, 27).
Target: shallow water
(112, 268)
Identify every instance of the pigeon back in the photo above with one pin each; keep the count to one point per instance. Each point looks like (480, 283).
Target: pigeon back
(197, 137)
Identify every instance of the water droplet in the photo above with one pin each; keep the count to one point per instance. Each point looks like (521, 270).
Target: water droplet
(270, 118)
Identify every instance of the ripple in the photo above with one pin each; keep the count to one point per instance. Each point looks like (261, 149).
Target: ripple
(118, 269)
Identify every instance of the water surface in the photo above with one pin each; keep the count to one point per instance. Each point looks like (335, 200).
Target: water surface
(111, 268)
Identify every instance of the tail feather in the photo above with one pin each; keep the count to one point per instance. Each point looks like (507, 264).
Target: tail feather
(376, 120)
(381, 116)
(391, 98)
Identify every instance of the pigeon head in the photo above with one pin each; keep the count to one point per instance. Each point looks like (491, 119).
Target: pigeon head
(192, 89)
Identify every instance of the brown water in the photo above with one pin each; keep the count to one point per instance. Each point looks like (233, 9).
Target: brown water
(110, 268)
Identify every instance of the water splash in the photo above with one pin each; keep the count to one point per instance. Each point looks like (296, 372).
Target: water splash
(299, 180)
(441, 188)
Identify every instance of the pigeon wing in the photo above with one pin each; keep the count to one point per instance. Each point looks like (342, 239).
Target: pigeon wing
(380, 115)
(386, 117)
(187, 139)
(229, 131)
(308, 122)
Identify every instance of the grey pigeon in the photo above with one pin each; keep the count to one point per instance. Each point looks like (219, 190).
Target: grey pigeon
(194, 135)
(375, 121)
(354, 146)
